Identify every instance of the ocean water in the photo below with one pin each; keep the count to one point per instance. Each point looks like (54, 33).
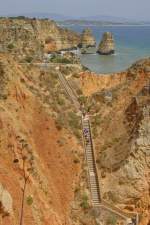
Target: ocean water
(132, 44)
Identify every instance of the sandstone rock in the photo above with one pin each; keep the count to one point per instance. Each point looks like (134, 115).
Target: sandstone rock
(5, 201)
(107, 45)
(32, 37)
(87, 39)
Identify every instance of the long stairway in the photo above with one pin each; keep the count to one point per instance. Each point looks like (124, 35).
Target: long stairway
(69, 91)
(91, 162)
(89, 152)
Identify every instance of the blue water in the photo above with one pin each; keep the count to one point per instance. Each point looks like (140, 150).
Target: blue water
(132, 43)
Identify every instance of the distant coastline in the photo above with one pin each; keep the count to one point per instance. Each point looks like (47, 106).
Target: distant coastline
(85, 23)
(104, 25)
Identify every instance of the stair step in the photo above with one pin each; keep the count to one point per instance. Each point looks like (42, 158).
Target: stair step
(89, 148)
(94, 190)
(95, 197)
(89, 158)
(90, 155)
(89, 151)
(90, 161)
(93, 184)
(93, 179)
(94, 187)
(96, 200)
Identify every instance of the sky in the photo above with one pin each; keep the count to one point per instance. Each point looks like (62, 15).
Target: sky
(132, 9)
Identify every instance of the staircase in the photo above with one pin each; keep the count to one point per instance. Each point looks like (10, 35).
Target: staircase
(69, 91)
(97, 202)
(89, 152)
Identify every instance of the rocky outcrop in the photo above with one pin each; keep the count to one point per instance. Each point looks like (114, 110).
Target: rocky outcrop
(35, 92)
(87, 39)
(126, 118)
(31, 37)
(107, 45)
(5, 201)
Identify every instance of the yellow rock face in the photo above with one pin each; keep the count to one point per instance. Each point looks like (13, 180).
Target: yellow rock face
(87, 38)
(107, 45)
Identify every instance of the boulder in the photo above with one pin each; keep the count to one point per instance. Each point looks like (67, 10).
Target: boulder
(87, 39)
(107, 45)
(5, 201)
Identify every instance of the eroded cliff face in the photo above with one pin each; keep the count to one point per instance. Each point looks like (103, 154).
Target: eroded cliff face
(91, 83)
(120, 115)
(39, 125)
(29, 37)
(87, 39)
(107, 44)
(33, 128)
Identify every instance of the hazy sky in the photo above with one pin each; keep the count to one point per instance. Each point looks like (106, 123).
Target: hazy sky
(137, 9)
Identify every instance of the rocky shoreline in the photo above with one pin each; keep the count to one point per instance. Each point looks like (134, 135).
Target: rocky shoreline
(32, 37)
(107, 44)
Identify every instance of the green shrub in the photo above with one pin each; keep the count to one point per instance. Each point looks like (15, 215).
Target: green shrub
(60, 101)
(73, 120)
(59, 123)
(76, 161)
(117, 139)
(10, 46)
(97, 120)
(28, 59)
(112, 220)
(84, 204)
(76, 75)
(79, 92)
(29, 200)
(82, 99)
(60, 59)
(94, 132)
(112, 196)
(77, 189)
(77, 133)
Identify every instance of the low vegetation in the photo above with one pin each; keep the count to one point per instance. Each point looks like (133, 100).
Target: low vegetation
(28, 59)
(29, 200)
(10, 46)
(85, 201)
(60, 59)
(111, 220)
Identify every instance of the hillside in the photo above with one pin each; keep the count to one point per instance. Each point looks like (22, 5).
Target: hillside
(42, 153)
(32, 126)
(29, 39)
(119, 105)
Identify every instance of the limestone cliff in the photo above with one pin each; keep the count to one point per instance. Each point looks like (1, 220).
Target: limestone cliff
(40, 138)
(87, 39)
(33, 130)
(107, 44)
(31, 37)
(120, 114)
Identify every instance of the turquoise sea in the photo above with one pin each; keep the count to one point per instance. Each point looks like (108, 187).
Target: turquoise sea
(132, 43)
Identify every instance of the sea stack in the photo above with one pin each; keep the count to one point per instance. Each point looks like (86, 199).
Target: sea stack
(87, 39)
(107, 45)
